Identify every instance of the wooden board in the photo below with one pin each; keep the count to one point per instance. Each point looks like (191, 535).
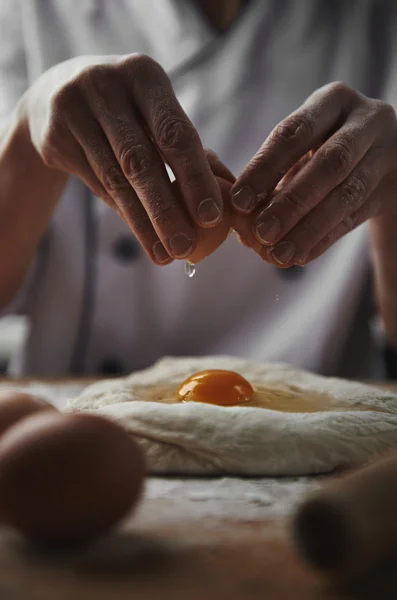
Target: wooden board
(190, 539)
(155, 560)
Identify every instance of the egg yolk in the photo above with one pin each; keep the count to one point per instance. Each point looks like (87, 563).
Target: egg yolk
(225, 388)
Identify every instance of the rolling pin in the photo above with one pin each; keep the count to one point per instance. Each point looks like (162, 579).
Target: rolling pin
(349, 527)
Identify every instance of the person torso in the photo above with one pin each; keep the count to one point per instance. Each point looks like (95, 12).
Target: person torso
(100, 305)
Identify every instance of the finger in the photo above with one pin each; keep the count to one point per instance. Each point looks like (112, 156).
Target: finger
(330, 166)
(104, 165)
(143, 169)
(209, 239)
(367, 211)
(74, 161)
(242, 225)
(243, 241)
(218, 168)
(344, 200)
(314, 121)
(294, 170)
(176, 139)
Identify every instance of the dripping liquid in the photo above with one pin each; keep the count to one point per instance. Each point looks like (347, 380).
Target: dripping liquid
(189, 269)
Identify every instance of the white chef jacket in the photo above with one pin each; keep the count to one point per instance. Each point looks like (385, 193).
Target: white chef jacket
(95, 302)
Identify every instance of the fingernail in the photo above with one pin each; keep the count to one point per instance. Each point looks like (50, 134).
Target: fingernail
(208, 211)
(268, 230)
(244, 199)
(160, 253)
(301, 262)
(181, 245)
(283, 252)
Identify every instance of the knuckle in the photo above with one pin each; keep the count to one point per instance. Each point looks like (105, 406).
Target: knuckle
(65, 98)
(336, 156)
(333, 236)
(295, 204)
(353, 193)
(344, 227)
(141, 60)
(340, 90)
(176, 134)
(385, 112)
(95, 78)
(163, 214)
(308, 228)
(262, 164)
(114, 181)
(296, 128)
(350, 222)
(326, 241)
(135, 161)
(141, 66)
(211, 154)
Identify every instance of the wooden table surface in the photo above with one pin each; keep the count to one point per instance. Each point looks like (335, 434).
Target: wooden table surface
(189, 539)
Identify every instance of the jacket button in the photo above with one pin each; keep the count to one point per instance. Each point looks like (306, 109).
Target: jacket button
(126, 248)
(110, 366)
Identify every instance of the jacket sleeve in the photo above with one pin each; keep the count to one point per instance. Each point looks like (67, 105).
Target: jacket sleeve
(13, 66)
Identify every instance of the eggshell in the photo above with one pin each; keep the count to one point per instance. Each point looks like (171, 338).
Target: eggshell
(67, 478)
(209, 239)
(15, 406)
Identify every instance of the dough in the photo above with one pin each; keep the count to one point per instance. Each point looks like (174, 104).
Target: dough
(354, 422)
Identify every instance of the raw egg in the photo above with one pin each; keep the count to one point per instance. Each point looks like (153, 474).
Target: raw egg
(210, 238)
(67, 478)
(225, 388)
(15, 406)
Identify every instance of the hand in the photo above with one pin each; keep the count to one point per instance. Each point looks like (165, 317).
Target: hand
(114, 122)
(323, 171)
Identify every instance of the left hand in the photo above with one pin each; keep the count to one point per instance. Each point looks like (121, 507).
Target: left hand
(324, 170)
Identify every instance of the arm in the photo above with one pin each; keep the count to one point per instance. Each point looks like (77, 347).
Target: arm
(28, 189)
(28, 194)
(384, 253)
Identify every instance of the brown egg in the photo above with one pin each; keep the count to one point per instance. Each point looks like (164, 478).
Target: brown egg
(15, 406)
(210, 238)
(67, 478)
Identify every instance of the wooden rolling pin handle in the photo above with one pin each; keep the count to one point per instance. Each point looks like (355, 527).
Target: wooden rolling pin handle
(350, 526)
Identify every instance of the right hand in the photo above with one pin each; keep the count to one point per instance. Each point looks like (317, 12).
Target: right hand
(114, 121)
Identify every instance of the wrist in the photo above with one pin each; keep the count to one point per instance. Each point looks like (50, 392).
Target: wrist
(27, 185)
(19, 154)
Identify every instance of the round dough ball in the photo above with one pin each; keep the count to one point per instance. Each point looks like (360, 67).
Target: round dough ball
(15, 406)
(67, 478)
